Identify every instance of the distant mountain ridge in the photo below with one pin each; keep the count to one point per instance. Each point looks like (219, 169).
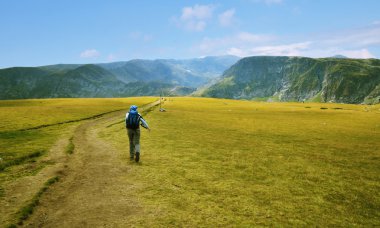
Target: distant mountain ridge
(271, 78)
(300, 79)
(118, 79)
(187, 72)
(339, 57)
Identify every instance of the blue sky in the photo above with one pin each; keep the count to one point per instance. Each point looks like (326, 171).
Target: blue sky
(43, 32)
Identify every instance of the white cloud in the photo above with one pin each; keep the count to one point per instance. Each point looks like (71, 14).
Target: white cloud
(355, 38)
(309, 49)
(294, 49)
(242, 40)
(227, 18)
(199, 12)
(315, 50)
(358, 54)
(237, 51)
(195, 18)
(353, 43)
(194, 25)
(90, 53)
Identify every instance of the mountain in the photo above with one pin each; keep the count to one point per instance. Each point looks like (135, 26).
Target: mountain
(188, 72)
(83, 81)
(118, 79)
(60, 67)
(20, 82)
(339, 57)
(299, 79)
(259, 77)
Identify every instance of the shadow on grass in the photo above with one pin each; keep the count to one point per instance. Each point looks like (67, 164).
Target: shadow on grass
(20, 160)
(70, 147)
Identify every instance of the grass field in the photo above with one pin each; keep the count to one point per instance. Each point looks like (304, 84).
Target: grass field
(18, 139)
(29, 129)
(214, 162)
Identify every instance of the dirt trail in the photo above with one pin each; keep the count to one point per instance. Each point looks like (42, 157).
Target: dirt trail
(23, 189)
(93, 191)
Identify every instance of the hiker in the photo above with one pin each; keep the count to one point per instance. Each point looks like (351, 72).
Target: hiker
(132, 123)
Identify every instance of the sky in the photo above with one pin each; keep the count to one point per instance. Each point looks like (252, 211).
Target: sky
(43, 32)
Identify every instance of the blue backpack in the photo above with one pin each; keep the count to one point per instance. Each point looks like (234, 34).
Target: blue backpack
(133, 120)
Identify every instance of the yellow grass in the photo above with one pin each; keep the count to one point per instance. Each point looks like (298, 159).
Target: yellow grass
(19, 114)
(215, 162)
(212, 162)
(18, 145)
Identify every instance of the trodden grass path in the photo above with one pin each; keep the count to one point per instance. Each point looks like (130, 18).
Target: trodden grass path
(91, 191)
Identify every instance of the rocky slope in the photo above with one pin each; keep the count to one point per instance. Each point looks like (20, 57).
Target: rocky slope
(299, 79)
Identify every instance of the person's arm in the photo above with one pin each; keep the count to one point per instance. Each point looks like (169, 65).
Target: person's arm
(125, 121)
(144, 123)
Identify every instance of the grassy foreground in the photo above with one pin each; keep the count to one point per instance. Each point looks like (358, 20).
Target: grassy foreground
(28, 131)
(212, 162)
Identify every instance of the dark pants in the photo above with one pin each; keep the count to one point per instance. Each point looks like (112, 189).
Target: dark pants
(134, 141)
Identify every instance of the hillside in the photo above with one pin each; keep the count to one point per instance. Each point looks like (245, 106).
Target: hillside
(118, 79)
(299, 79)
(261, 78)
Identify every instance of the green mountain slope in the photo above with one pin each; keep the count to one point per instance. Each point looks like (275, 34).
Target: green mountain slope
(299, 78)
(19, 82)
(131, 78)
(83, 81)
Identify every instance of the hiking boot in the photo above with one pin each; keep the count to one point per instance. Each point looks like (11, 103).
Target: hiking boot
(131, 158)
(137, 158)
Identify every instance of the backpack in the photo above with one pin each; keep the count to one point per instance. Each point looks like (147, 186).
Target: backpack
(133, 121)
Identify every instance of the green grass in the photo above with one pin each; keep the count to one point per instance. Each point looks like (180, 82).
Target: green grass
(29, 126)
(210, 162)
(25, 114)
(20, 160)
(70, 147)
(26, 211)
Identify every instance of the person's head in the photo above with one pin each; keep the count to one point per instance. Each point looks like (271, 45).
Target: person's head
(133, 108)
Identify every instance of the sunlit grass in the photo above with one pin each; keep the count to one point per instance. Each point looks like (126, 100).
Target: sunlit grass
(217, 162)
(18, 145)
(25, 152)
(21, 114)
(220, 162)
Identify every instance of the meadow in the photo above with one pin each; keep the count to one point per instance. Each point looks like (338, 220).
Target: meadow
(218, 162)
(30, 128)
(213, 162)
